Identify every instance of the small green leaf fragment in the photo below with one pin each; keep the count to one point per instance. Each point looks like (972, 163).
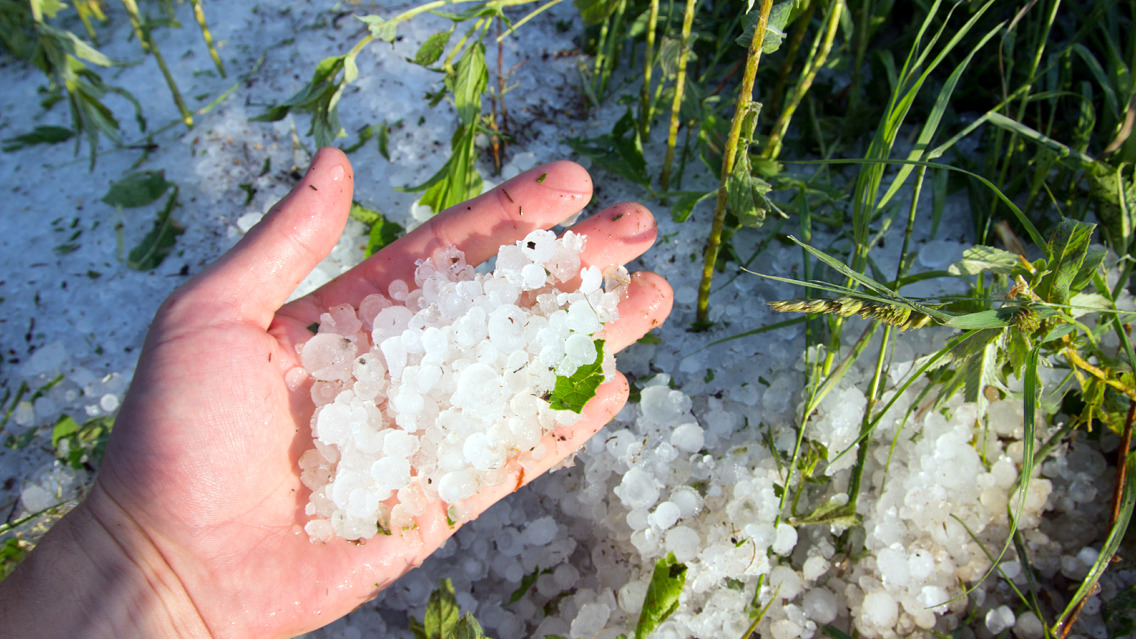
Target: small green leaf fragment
(383, 138)
(527, 582)
(313, 328)
(380, 28)
(11, 554)
(620, 151)
(468, 628)
(137, 189)
(383, 232)
(156, 246)
(65, 426)
(43, 134)
(978, 259)
(432, 49)
(540, 180)
(649, 338)
(572, 393)
(441, 618)
(662, 595)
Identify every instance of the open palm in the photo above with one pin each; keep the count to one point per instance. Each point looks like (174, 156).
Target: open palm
(203, 461)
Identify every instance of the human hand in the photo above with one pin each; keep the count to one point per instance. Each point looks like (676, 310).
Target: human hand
(200, 490)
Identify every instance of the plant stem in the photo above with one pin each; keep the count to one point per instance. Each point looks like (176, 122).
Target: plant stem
(676, 104)
(1121, 463)
(1064, 625)
(802, 27)
(648, 67)
(816, 61)
(861, 50)
(199, 15)
(745, 99)
(142, 30)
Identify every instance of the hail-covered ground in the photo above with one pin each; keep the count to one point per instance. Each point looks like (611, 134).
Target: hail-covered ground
(696, 466)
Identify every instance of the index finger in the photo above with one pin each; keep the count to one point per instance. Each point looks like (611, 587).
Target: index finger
(536, 199)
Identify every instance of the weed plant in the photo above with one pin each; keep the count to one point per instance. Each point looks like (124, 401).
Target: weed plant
(33, 31)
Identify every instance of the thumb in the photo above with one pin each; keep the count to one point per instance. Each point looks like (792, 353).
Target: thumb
(255, 277)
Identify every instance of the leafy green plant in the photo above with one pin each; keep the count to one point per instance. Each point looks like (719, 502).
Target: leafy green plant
(1044, 314)
(662, 595)
(140, 189)
(443, 619)
(71, 64)
(465, 82)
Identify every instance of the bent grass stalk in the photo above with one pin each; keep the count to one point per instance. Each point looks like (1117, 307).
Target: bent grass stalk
(742, 110)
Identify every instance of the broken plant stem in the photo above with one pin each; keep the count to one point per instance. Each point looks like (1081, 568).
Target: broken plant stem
(742, 110)
(676, 104)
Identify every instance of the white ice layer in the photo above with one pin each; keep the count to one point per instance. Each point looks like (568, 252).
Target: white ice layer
(433, 393)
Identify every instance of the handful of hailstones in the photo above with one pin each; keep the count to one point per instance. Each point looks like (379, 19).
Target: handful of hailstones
(433, 393)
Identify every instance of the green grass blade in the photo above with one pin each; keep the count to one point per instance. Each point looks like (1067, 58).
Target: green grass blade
(1111, 544)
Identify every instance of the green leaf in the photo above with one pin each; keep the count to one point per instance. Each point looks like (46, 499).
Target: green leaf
(620, 152)
(43, 134)
(1094, 258)
(468, 83)
(49, 7)
(1083, 303)
(746, 194)
(65, 427)
(685, 202)
(595, 11)
(137, 189)
(649, 338)
(1067, 250)
(11, 554)
(995, 318)
(458, 179)
(468, 628)
(383, 232)
(383, 137)
(981, 370)
(156, 246)
(441, 613)
(571, 393)
(779, 19)
(527, 582)
(980, 259)
(320, 97)
(380, 28)
(662, 595)
(432, 49)
(363, 214)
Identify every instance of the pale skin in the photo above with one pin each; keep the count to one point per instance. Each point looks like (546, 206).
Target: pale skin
(194, 526)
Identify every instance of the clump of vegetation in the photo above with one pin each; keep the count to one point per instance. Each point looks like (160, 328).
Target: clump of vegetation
(30, 31)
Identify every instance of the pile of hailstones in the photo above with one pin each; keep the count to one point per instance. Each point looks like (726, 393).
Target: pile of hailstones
(432, 393)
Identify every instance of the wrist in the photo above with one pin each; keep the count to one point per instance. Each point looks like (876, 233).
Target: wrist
(96, 574)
